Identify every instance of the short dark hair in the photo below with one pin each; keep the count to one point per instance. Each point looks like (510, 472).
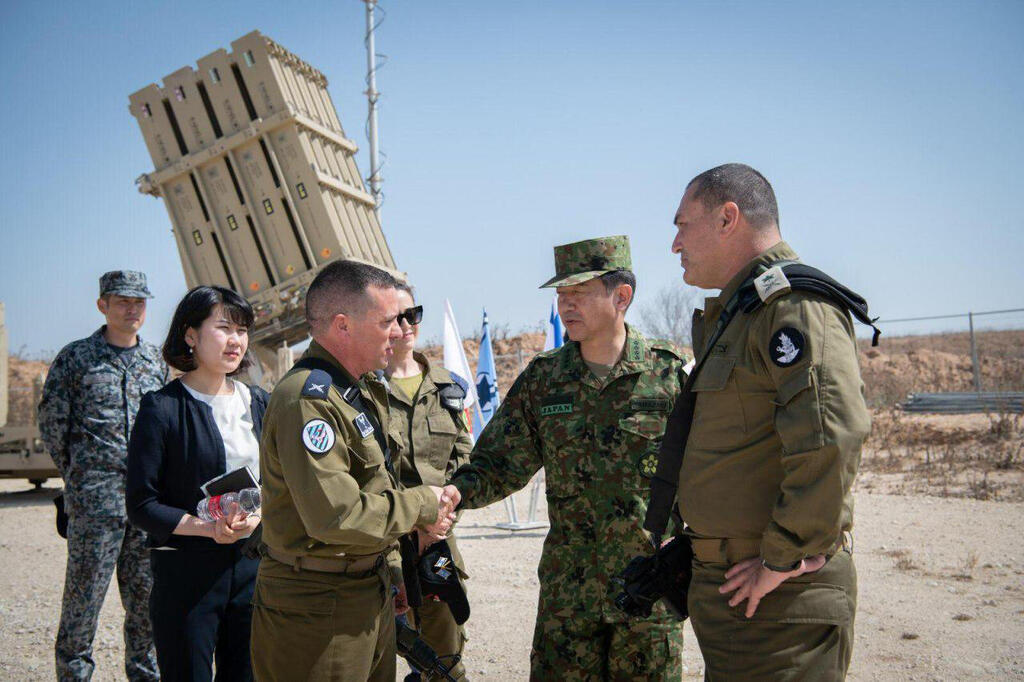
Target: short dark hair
(741, 184)
(341, 288)
(616, 278)
(192, 310)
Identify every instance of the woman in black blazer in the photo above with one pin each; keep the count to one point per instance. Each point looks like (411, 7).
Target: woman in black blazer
(195, 428)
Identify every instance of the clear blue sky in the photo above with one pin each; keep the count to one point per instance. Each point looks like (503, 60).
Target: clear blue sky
(891, 132)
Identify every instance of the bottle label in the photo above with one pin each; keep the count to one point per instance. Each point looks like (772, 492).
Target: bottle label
(213, 507)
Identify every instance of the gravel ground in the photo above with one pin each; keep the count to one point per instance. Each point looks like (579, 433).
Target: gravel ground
(941, 591)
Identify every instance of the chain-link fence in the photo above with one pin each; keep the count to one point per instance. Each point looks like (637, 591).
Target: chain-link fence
(962, 352)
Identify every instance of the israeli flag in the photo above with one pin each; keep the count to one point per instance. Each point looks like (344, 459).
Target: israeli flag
(486, 381)
(554, 337)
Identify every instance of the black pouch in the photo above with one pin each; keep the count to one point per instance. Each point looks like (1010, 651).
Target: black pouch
(62, 516)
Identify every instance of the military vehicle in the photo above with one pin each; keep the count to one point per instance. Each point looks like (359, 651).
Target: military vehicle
(22, 454)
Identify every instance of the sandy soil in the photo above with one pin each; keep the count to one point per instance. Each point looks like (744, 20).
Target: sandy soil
(941, 590)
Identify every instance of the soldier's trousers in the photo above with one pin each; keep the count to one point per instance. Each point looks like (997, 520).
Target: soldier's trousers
(575, 649)
(802, 630)
(308, 625)
(97, 546)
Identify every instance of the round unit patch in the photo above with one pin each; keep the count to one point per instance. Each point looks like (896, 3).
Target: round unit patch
(648, 464)
(317, 436)
(787, 346)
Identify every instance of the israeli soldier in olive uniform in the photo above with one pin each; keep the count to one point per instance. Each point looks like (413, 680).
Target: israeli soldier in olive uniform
(89, 402)
(773, 449)
(332, 511)
(592, 413)
(428, 416)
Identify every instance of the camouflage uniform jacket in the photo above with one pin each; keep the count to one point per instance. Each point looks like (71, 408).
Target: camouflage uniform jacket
(598, 443)
(90, 399)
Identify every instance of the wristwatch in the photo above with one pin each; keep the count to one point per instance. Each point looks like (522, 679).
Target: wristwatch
(782, 569)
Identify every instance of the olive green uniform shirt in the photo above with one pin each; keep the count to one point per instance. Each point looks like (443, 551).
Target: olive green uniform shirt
(435, 441)
(778, 425)
(326, 489)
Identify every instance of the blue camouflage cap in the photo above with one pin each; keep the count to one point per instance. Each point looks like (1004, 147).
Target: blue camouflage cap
(130, 283)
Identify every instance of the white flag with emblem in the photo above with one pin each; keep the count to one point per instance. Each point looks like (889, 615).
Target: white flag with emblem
(455, 357)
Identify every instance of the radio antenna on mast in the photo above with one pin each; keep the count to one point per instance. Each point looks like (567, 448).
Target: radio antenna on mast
(372, 95)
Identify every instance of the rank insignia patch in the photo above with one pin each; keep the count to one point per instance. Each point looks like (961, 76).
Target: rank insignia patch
(648, 464)
(786, 347)
(318, 436)
(364, 425)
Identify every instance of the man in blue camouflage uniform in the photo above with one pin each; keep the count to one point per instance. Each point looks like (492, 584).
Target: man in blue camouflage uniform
(592, 413)
(89, 403)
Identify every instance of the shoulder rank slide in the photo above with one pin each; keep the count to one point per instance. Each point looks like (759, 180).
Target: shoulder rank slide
(317, 385)
(453, 395)
(771, 282)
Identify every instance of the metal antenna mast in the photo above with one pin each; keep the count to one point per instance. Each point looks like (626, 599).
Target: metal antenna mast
(371, 96)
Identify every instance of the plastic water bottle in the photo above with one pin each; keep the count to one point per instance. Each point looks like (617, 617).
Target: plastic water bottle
(213, 508)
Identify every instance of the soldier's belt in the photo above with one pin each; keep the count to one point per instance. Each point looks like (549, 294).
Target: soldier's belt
(733, 550)
(327, 565)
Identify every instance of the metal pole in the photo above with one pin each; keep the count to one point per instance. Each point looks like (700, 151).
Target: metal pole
(974, 355)
(372, 95)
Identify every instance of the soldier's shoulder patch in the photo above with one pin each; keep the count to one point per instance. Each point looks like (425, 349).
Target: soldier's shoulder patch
(317, 385)
(318, 436)
(787, 346)
(459, 382)
(453, 395)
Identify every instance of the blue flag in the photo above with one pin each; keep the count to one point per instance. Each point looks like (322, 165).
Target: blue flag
(554, 337)
(486, 382)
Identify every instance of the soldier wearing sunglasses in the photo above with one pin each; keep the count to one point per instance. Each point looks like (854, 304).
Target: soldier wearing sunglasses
(427, 414)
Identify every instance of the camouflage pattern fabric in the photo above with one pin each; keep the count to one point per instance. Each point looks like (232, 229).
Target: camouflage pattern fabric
(96, 546)
(90, 399)
(579, 262)
(130, 283)
(598, 442)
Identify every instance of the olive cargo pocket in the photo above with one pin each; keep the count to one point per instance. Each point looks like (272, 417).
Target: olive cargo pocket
(798, 414)
(717, 419)
(443, 432)
(807, 603)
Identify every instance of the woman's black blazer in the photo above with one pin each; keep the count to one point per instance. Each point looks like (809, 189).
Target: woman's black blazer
(175, 447)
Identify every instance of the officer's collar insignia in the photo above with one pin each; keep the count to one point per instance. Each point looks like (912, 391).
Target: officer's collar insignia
(786, 347)
(316, 384)
(364, 425)
(771, 282)
(556, 404)
(318, 436)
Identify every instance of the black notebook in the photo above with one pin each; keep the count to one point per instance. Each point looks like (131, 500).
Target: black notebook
(231, 482)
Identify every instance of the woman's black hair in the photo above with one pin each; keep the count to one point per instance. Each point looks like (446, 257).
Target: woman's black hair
(191, 311)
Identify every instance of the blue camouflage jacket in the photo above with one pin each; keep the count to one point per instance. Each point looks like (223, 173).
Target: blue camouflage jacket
(90, 399)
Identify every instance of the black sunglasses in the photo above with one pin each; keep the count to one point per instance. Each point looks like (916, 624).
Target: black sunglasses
(413, 315)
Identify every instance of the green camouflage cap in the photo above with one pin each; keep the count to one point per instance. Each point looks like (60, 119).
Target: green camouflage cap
(130, 283)
(582, 261)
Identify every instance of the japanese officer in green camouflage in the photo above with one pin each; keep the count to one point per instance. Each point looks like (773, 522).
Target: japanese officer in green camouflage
(773, 450)
(90, 399)
(332, 511)
(427, 415)
(592, 414)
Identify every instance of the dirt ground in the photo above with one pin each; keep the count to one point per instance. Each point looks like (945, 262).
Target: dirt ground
(941, 590)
